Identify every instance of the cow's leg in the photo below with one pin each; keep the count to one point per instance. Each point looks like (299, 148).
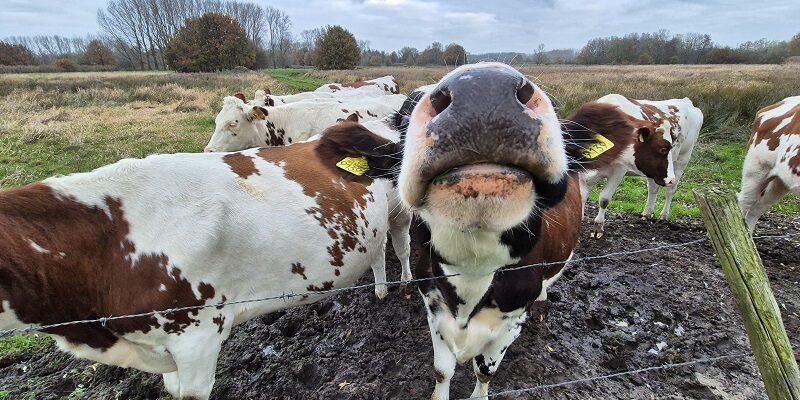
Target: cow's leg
(401, 241)
(652, 195)
(486, 363)
(774, 191)
(605, 197)
(379, 271)
(444, 365)
(196, 352)
(172, 384)
(668, 200)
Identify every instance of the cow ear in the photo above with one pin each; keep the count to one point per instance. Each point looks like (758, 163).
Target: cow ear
(642, 134)
(354, 152)
(257, 112)
(241, 97)
(352, 117)
(596, 135)
(267, 91)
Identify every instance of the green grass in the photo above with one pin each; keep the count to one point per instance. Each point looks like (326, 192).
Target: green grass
(15, 346)
(296, 79)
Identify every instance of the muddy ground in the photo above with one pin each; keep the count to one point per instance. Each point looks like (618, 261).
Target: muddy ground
(605, 316)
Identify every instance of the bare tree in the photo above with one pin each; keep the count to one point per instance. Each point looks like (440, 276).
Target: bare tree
(279, 34)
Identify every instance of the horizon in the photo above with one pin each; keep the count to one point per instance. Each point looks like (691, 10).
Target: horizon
(479, 27)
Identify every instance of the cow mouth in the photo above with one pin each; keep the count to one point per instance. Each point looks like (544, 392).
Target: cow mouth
(483, 179)
(481, 196)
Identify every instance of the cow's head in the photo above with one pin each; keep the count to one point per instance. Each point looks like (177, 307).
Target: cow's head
(485, 149)
(236, 126)
(651, 152)
(263, 98)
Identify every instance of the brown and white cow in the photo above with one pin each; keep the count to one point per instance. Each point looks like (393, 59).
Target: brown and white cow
(386, 84)
(188, 230)
(665, 133)
(772, 165)
(490, 174)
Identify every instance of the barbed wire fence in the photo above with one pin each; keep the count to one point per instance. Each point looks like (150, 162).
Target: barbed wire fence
(286, 296)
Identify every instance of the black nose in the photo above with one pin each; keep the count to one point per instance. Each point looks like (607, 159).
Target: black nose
(482, 118)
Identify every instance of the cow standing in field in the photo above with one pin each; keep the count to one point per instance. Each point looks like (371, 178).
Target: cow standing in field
(664, 134)
(240, 125)
(772, 165)
(386, 84)
(189, 230)
(491, 176)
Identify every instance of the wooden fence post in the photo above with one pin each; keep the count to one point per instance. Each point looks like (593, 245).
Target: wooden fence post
(748, 281)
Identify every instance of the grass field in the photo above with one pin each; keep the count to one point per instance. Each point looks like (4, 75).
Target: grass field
(61, 123)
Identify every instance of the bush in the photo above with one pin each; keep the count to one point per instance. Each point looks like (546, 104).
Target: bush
(15, 54)
(212, 42)
(794, 45)
(455, 55)
(97, 53)
(337, 49)
(65, 64)
(646, 59)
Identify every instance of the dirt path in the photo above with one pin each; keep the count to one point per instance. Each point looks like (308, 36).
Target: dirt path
(605, 316)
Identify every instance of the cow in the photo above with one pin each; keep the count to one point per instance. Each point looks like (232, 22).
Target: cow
(386, 84)
(265, 98)
(772, 165)
(240, 125)
(665, 133)
(400, 219)
(491, 176)
(185, 230)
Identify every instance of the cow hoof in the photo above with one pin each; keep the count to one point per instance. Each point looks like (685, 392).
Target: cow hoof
(381, 291)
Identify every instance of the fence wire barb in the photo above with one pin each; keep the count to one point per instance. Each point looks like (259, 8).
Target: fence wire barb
(286, 296)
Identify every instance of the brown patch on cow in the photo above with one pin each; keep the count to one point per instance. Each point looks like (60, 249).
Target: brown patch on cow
(338, 200)
(327, 285)
(658, 117)
(439, 375)
(334, 87)
(359, 115)
(299, 269)
(241, 97)
(356, 85)
(766, 129)
(99, 277)
(220, 322)
(371, 114)
(396, 87)
(344, 110)
(274, 136)
(794, 162)
(223, 300)
(560, 232)
(242, 165)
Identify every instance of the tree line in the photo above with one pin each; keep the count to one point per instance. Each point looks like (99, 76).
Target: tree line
(138, 34)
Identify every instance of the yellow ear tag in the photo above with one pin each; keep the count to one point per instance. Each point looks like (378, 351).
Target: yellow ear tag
(354, 165)
(596, 149)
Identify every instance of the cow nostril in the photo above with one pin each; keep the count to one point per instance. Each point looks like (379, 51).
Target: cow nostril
(525, 93)
(440, 100)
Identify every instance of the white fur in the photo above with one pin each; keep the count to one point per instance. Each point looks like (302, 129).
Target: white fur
(767, 171)
(378, 85)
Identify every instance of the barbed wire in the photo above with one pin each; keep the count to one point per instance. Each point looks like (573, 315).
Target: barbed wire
(286, 296)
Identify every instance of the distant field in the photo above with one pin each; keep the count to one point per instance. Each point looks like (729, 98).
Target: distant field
(69, 122)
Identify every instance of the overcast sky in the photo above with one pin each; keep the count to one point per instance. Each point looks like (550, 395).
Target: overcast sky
(480, 26)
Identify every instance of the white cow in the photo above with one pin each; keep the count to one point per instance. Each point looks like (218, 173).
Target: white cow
(665, 133)
(265, 98)
(386, 84)
(188, 230)
(772, 165)
(240, 125)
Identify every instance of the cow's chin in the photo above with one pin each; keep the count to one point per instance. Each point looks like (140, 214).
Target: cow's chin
(481, 196)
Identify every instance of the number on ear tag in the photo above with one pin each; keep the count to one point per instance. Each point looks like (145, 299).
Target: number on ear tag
(596, 149)
(354, 165)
